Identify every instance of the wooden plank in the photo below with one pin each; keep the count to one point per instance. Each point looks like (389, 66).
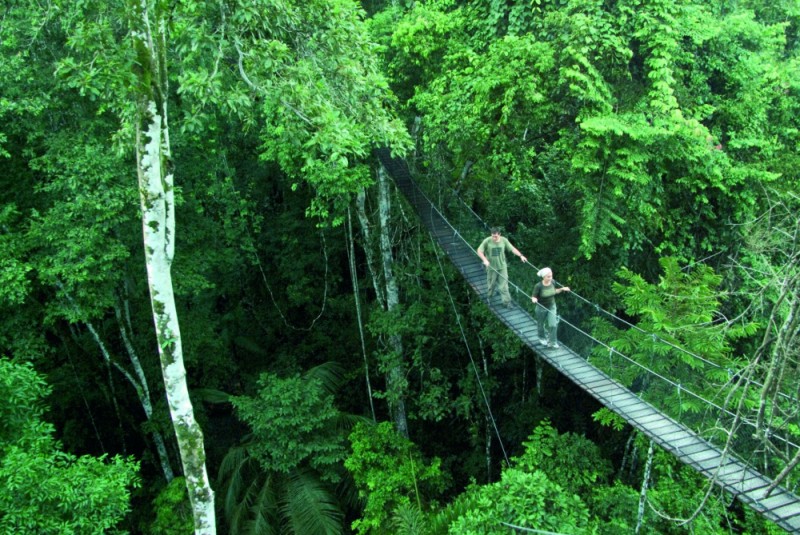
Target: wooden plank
(705, 457)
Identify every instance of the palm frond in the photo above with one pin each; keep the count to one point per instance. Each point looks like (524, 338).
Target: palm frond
(254, 510)
(344, 422)
(407, 519)
(262, 509)
(233, 461)
(347, 491)
(248, 498)
(309, 507)
(329, 375)
(210, 395)
(439, 523)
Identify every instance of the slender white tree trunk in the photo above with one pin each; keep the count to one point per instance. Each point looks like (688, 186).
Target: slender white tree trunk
(395, 375)
(156, 190)
(158, 225)
(643, 491)
(144, 397)
(351, 256)
(142, 392)
(363, 219)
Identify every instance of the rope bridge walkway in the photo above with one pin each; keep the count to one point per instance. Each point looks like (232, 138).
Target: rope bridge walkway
(718, 464)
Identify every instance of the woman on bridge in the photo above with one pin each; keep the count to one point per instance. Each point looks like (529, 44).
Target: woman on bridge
(544, 294)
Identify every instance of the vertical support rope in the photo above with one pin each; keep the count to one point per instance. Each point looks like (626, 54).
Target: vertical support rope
(471, 358)
(354, 279)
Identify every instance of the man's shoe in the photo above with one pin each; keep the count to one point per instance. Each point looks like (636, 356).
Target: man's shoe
(554, 345)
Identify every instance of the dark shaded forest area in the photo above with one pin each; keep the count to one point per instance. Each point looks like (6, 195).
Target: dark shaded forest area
(219, 315)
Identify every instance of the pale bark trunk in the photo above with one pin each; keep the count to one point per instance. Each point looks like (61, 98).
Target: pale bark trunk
(363, 219)
(144, 398)
(139, 383)
(395, 376)
(156, 191)
(143, 393)
(351, 256)
(645, 484)
(158, 224)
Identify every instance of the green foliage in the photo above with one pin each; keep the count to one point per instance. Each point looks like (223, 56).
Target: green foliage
(572, 462)
(259, 502)
(294, 422)
(497, 100)
(678, 321)
(320, 99)
(44, 490)
(408, 520)
(526, 499)
(610, 130)
(76, 238)
(670, 117)
(14, 268)
(173, 512)
(285, 471)
(615, 508)
(608, 418)
(22, 410)
(391, 476)
(679, 490)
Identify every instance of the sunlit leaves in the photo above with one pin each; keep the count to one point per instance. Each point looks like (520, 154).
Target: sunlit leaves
(42, 489)
(569, 460)
(389, 473)
(302, 75)
(680, 335)
(526, 499)
(492, 107)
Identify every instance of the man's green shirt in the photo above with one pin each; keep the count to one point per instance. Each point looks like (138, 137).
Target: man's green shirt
(495, 252)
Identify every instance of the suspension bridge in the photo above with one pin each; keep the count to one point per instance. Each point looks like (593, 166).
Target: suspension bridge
(717, 463)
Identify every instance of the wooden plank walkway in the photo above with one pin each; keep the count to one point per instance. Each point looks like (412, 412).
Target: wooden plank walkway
(733, 475)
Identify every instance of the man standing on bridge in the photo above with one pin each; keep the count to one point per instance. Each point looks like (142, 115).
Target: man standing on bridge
(492, 252)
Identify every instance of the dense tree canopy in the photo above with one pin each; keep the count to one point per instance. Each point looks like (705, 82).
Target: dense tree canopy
(648, 151)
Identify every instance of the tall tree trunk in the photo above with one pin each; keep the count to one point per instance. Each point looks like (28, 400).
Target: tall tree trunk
(363, 219)
(351, 256)
(645, 484)
(395, 375)
(156, 190)
(539, 373)
(143, 391)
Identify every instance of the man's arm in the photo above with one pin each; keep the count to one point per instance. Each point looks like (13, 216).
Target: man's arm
(517, 253)
(482, 256)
